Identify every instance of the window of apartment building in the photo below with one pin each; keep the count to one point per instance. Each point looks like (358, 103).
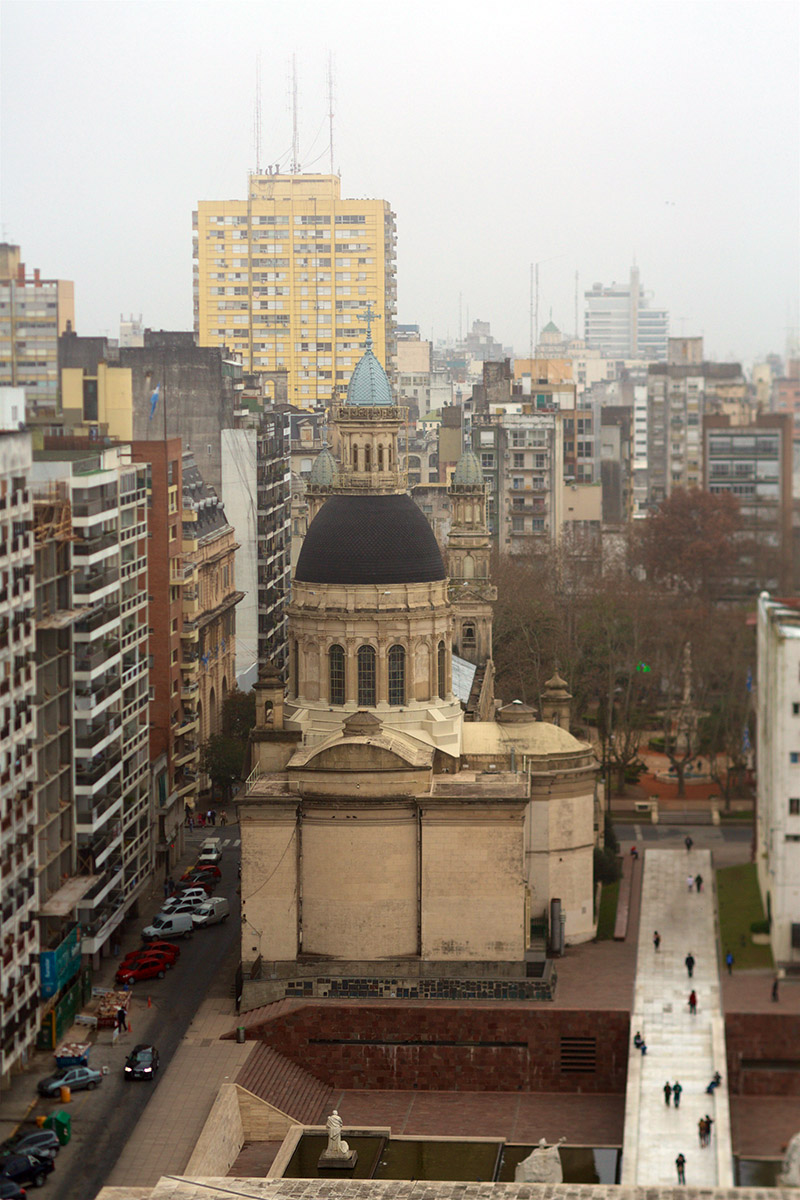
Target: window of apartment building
(518, 481)
(518, 502)
(541, 462)
(517, 524)
(519, 460)
(794, 757)
(794, 806)
(487, 460)
(537, 524)
(487, 437)
(175, 625)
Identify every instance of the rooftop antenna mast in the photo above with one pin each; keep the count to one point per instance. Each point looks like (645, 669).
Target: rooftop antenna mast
(295, 138)
(257, 117)
(330, 104)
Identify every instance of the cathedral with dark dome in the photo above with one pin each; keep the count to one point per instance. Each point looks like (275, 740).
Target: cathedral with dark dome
(396, 817)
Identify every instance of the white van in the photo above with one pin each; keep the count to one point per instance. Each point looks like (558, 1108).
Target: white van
(212, 912)
(210, 851)
(167, 925)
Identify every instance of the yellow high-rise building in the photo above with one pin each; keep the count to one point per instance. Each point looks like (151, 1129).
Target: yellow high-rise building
(283, 277)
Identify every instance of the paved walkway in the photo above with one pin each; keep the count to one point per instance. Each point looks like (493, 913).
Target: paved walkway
(679, 1046)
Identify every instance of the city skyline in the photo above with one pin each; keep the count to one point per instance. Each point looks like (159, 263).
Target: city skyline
(664, 133)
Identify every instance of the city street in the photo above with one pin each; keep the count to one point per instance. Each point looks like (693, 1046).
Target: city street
(161, 1011)
(728, 844)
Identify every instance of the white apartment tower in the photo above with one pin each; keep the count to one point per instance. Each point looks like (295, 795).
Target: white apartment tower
(109, 496)
(19, 981)
(619, 321)
(778, 786)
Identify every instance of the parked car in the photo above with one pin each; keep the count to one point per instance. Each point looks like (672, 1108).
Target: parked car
(75, 1078)
(194, 892)
(170, 951)
(186, 906)
(204, 869)
(203, 879)
(143, 959)
(142, 1062)
(27, 1168)
(155, 968)
(168, 925)
(10, 1190)
(41, 1142)
(210, 851)
(215, 909)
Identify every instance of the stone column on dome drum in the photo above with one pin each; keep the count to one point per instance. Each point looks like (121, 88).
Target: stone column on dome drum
(350, 672)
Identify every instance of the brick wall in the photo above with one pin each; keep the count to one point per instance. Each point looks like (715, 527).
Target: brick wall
(452, 1047)
(763, 1052)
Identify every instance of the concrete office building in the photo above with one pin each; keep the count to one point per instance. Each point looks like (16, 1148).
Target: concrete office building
(778, 778)
(19, 931)
(282, 277)
(619, 321)
(34, 312)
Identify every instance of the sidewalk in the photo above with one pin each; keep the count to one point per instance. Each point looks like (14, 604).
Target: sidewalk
(679, 1046)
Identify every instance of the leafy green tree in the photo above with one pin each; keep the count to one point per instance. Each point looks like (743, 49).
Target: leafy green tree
(221, 758)
(238, 714)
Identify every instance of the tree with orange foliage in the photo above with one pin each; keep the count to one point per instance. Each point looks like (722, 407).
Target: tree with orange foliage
(689, 544)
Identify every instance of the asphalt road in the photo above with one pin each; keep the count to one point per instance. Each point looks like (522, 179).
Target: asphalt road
(102, 1120)
(729, 844)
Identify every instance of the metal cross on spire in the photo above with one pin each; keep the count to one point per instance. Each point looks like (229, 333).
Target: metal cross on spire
(368, 317)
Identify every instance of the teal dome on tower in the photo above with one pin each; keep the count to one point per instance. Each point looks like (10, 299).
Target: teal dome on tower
(468, 472)
(323, 469)
(369, 385)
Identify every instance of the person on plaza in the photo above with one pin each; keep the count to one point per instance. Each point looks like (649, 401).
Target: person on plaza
(708, 1123)
(643, 1047)
(680, 1163)
(715, 1082)
(190, 822)
(701, 1130)
(689, 960)
(775, 988)
(667, 1092)
(223, 819)
(729, 962)
(698, 882)
(656, 939)
(676, 1094)
(688, 842)
(690, 882)
(693, 1002)
(634, 852)
(122, 1020)
(637, 1040)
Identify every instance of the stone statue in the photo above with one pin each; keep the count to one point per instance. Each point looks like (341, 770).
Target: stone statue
(336, 1145)
(790, 1175)
(543, 1165)
(337, 1153)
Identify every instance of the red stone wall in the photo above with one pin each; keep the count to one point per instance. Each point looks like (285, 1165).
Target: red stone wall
(449, 1047)
(763, 1053)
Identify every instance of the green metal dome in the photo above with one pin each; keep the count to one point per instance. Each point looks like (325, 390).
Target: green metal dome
(323, 469)
(468, 472)
(369, 386)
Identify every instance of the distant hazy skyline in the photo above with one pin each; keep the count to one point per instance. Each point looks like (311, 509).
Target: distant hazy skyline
(578, 135)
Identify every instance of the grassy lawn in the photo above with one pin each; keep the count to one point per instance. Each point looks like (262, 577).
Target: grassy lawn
(739, 905)
(608, 911)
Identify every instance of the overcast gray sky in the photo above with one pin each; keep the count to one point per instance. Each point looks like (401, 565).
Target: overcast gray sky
(574, 134)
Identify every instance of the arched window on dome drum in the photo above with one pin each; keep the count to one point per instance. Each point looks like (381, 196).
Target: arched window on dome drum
(440, 662)
(380, 458)
(366, 677)
(397, 675)
(336, 674)
(367, 457)
(355, 458)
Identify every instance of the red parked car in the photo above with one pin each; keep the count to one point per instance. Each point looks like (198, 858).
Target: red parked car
(147, 967)
(197, 881)
(170, 952)
(203, 869)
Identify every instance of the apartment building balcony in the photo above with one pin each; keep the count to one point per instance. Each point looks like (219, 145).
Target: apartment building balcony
(133, 567)
(87, 660)
(190, 631)
(88, 550)
(136, 600)
(101, 620)
(97, 736)
(92, 854)
(189, 724)
(186, 753)
(190, 661)
(133, 671)
(83, 510)
(100, 693)
(186, 785)
(95, 773)
(95, 581)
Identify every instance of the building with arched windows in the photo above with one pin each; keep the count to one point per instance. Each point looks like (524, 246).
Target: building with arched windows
(398, 824)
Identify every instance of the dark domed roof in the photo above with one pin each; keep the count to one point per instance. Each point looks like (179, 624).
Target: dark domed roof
(369, 539)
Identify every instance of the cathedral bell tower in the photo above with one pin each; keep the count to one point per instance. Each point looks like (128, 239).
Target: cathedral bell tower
(471, 590)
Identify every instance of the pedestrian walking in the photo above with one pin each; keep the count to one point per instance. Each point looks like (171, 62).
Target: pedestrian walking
(680, 1163)
(190, 820)
(167, 888)
(701, 1130)
(676, 1094)
(223, 819)
(698, 882)
(122, 1020)
(656, 939)
(667, 1092)
(729, 962)
(693, 1002)
(213, 816)
(689, 960)
(688, 843)
(708, 1123)
(775, 988)
(690, 882)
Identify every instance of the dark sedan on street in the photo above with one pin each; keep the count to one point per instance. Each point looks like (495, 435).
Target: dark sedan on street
(142, 1062)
